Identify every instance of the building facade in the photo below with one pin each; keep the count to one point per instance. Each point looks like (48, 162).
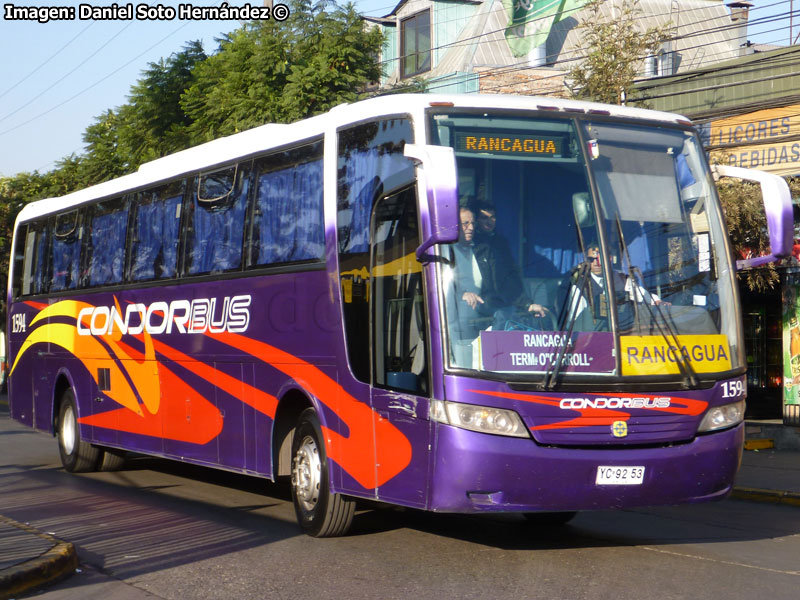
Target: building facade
(528, 46)
(748, 111)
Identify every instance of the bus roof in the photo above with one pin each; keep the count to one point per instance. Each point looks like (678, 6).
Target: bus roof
(265, 137)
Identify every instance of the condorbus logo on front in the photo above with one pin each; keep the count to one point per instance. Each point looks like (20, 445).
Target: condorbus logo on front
(643, 402)
(213, 315)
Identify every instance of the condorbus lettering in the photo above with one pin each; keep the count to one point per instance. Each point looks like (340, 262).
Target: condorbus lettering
(215, 315)
(198, 322)
(239, 314)
(179, 321)
(614, 403)
(160, 309)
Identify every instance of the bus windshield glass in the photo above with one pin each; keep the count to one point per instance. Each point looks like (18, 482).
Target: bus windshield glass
(586, 248)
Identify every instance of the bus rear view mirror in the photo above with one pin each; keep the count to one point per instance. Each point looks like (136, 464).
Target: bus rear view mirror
(777, 207)
(436, 175)
(583, 209)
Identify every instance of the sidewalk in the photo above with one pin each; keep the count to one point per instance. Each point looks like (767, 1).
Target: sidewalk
(770, 475)
(30, 559)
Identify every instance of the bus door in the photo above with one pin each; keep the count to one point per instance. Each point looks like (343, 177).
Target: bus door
(400, 392)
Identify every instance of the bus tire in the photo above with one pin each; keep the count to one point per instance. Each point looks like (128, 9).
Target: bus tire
(77, 456)
(111, 460)
(320, 513)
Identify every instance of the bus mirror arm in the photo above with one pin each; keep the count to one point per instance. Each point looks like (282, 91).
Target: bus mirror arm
(436, 174)
(778, 209)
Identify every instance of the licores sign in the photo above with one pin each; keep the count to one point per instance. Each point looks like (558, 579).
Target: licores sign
(768, 140)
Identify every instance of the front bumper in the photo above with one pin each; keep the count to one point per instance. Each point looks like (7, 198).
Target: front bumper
(475, 472)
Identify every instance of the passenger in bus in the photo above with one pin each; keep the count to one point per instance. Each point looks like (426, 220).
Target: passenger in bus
(590, 304)
(477, 298)
(467, 303)
(506, 281)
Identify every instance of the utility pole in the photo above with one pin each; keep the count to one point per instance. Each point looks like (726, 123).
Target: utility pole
(268, 3)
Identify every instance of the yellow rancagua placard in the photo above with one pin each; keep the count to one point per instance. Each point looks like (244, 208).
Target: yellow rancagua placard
(655, 355)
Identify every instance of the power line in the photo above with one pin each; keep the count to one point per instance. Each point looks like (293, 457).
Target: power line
(47, 60)
(714, 28)
(476, 39)
(563, 60)
(99, 81)
(89, 87)
(65, 75)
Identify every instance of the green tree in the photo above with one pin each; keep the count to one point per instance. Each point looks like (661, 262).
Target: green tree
(615, 47)
(153, 124)
(104, 158)
(278, 72)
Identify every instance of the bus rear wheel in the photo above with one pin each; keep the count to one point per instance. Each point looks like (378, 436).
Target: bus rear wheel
(319, 512)
(77, 456)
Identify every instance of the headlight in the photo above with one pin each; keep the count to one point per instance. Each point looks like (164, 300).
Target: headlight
(722, 417)
(479, 418)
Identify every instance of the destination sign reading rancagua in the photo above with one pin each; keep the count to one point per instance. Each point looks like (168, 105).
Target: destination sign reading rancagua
(504, 143)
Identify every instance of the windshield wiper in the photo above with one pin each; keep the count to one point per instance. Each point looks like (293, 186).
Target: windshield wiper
(569, 319)
(690, 375)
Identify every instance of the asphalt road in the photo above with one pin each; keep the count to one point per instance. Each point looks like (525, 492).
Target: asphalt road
(163, 530)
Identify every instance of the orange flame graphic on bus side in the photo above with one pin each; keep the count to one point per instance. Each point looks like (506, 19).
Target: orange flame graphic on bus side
(94, 355)
(355, 451)
(136, 376)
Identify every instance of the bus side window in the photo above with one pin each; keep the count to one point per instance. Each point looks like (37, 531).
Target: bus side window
(370, 161)
(40, 266)
(23, 253)
(397, 299)
(156, 233)
(66, 252)
(107, 231)
(287, 216)
(29, 251)
(216, 227)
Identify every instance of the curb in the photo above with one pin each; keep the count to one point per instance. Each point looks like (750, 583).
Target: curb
(770, 496)
(58, 562)
(759, 444)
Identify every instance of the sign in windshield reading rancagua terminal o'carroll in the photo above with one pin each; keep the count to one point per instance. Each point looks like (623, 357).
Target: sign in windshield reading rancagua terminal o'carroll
(537, 351)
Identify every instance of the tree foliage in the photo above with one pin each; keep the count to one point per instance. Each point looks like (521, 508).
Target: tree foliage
(615, 48)
(153, 122)
(279, 72)
(263, 72)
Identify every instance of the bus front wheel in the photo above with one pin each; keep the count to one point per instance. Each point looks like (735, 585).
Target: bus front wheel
(319, 512)
(77, 456)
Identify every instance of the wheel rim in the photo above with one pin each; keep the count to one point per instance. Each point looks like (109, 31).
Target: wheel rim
(68, 430)
(307, 474)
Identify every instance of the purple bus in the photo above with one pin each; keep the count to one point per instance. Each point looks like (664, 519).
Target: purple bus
(453, 303)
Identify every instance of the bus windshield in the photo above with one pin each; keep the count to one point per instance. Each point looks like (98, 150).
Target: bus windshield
(586, 248)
